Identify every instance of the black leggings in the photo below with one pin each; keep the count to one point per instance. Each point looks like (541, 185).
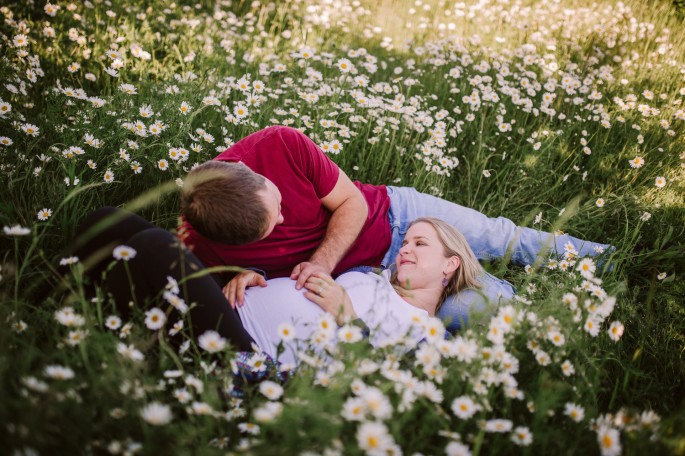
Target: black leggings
(159, 254)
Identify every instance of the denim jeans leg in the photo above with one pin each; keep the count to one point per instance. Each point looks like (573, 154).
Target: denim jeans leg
(488, 237)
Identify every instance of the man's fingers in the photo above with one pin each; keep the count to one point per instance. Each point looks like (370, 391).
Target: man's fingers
(229, 296)
(302, 278)
(324, 277)
(304, 271)
(296, 272)
(301, 274)
(240, 294)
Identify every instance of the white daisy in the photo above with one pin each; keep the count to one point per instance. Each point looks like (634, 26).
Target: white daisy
(211, 341)
(155, 318)
(124, 252)
(156, 414)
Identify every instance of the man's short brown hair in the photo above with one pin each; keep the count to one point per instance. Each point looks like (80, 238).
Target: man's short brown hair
(221, 201)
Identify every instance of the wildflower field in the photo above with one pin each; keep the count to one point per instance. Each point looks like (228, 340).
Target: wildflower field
(561, 115)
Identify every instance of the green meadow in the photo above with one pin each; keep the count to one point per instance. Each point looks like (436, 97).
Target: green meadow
(562, 116)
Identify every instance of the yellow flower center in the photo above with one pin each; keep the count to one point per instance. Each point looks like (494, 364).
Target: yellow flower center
(607, 441)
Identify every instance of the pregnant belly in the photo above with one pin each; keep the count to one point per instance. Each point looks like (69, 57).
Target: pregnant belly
(265, 308)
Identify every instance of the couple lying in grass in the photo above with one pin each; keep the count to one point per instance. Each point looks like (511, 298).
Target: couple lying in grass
(276, 204)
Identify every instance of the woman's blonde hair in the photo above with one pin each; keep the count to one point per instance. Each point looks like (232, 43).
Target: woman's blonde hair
(454, 244)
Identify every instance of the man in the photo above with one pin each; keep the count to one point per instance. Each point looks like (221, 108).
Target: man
(274, 201)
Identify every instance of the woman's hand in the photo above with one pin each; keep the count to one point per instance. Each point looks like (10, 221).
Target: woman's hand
(235, 289)
(330, 296)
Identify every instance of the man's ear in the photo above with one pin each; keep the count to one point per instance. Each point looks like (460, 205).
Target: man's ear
(453, 263)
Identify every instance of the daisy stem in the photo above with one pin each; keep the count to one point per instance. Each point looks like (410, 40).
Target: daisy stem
(98, 303)
(24, 263)
(131, 283)
(16, 276)
(165, 346)
(84, 355)
(479, 442)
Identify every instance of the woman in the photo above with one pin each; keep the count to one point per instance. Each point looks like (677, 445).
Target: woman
(434, 262)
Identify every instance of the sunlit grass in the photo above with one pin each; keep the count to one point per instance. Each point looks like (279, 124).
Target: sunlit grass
(454, 99)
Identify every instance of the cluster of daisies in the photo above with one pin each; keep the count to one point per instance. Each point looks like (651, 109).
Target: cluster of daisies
(370, 100)
(471, 376)
(354, 102)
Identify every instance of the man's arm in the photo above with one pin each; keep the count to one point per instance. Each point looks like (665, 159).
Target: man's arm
(349, 212)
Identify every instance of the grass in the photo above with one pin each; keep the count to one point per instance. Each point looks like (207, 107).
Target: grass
(537, 165)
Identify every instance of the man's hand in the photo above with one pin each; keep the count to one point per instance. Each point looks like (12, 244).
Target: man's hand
(235, 289)
(349, 211)
(305, 270)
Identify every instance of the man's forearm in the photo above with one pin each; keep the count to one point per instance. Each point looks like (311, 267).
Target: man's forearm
(343, 228)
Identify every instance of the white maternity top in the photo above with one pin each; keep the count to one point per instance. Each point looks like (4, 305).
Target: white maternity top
(373, 298)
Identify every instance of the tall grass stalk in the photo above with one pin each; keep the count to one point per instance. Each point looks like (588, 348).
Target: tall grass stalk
(532, 110)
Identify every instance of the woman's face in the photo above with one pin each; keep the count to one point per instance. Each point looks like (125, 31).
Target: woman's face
(421, 262)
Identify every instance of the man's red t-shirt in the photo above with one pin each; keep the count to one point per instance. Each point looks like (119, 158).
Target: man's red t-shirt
(304, 175)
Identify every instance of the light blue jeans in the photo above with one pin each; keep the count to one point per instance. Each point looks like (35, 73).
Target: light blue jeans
(489, 238)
